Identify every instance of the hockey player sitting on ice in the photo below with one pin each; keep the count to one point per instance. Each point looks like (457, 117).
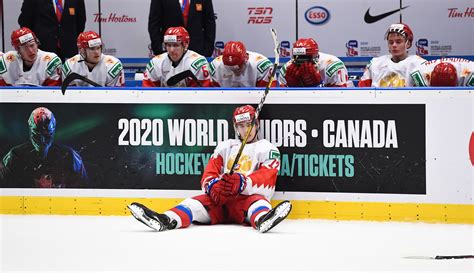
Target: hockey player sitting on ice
(443, 72)
(240, 198)
(177, 58)
(28, 65)
(392, 70)
(103, 69)
(237, 67)
(310, 68)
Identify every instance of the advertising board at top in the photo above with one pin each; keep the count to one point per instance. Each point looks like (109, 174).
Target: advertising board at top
(342, 28)
(250, 21)
(357, 28)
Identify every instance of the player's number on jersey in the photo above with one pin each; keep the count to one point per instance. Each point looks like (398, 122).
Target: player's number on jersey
(205, 73)
(274, 164)
(342, 77)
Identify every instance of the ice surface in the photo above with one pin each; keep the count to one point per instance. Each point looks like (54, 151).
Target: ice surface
(99, 243)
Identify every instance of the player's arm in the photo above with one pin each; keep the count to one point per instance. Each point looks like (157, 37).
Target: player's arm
(366, 79)
(200, 68)
(264, 73)
(66, 70)
(3, 71)
(212, 183)
(336, 74)
(266, 174)
(213, 170)
(281, 76)
(213, 73)
(115, 75)
(53, 72)
(417, 79)
(467, 73)
(150, 77)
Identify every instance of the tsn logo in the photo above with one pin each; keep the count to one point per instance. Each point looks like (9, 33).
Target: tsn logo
(260, 15)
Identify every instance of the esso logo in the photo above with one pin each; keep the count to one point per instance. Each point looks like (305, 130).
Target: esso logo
(317, 15)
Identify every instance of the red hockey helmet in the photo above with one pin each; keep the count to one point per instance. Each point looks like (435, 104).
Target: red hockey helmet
(402, 29)
(176, 35)
(22, 36)
(235, 53)
(306, 47)
(243, 114)
(444, 74)
(88, 39)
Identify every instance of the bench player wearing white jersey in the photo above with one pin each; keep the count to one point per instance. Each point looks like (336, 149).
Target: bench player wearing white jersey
(392, 70)
(310, 68)
(237, 67)
(240, 198)
(177, 58)
(103, 69)
(443, 72)
(28, 65)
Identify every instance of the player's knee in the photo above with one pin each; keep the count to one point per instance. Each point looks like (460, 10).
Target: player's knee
(198, 209)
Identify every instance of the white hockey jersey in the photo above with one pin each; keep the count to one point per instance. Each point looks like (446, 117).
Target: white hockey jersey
(256, 73)
(260, 162)
(420, 75)
(332, 70)
(46, 69)
(107, 72)
(383, 72)
(160, 69)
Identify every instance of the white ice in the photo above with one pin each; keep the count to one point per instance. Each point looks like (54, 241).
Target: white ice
(99, 243)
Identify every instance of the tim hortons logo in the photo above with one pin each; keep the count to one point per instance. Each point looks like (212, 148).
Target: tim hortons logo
(260, 15)
(460, 13)
(114, 18)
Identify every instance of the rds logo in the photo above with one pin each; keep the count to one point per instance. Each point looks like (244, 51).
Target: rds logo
(317, 15)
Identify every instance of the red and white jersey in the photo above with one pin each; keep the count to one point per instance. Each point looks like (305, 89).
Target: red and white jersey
(107, 72)
(383, 72)
(332, 70)
(256, 73)
(160, 69)
(421, 75)
(260, 162)
(46, 69)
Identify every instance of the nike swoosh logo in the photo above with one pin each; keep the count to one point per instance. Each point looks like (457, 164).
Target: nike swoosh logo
(369, 19)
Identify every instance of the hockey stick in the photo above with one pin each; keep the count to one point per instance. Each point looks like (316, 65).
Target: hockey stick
(260, 105)
(173, 80)
(440, 257)
(74, 76)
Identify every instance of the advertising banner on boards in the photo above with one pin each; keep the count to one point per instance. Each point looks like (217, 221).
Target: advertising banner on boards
(357, 148)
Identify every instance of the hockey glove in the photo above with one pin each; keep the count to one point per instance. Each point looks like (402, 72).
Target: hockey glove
(234, 183)
(216, 189)
(293, 75)
(309, 75)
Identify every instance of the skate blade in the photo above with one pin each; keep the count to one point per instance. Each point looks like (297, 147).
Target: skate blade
(140, 215)
(281, 213)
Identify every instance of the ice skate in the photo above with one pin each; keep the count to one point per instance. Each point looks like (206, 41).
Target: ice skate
(156, 221)
(273, 217)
